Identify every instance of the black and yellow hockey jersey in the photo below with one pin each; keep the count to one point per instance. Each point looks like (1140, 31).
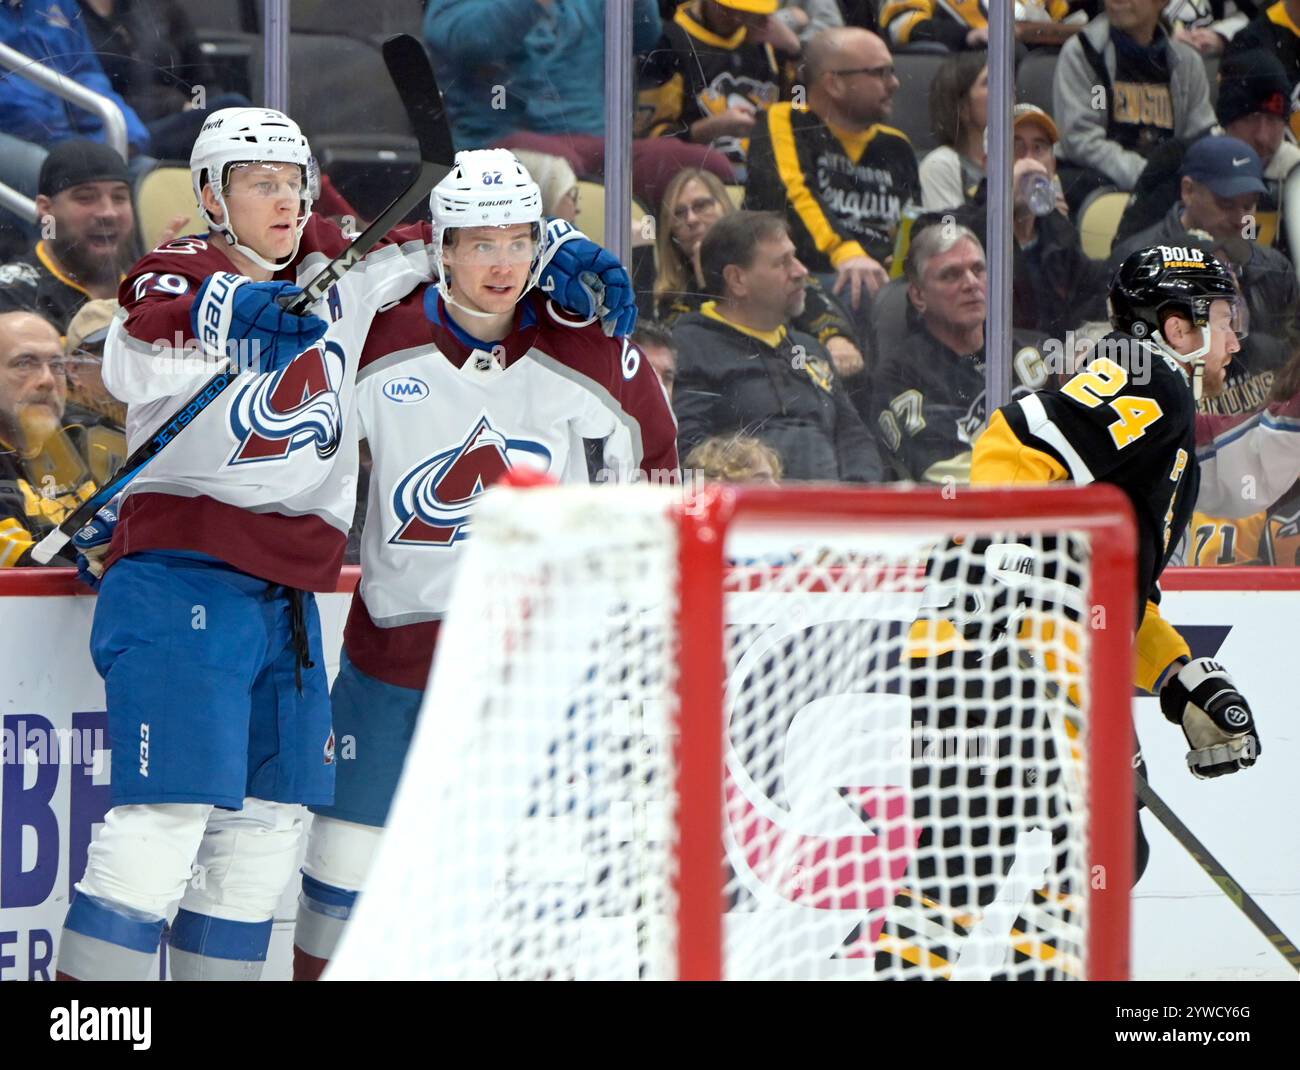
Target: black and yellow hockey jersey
(37, 494)
(842, 191)
(1130, 423)
(1281, 540)
(928, 403)
(693, 73)
(946, 21)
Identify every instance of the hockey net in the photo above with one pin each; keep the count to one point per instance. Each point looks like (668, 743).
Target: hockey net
(769, 734)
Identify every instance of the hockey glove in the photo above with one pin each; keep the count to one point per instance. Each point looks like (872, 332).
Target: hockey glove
(1214, 717)
(587, 279)
(235, 317)
(91, 544)
(984, 587)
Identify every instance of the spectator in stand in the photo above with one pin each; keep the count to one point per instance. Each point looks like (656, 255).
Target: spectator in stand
(807, 18)
(525, 74)
(959, 104)
(1154, 89)
(85, 207)
(929, 401)
(743, 369)
(1208, 25)
(1276, 29)
(841, 176)
(31, 118)
(42, 478)
(693, 202)
(719, 65)
(1055, 286)
(735, 459)
(964, 23)
(1254, 104)
(1222, 182)
(95, 419)
(558, 183)
(150, 52)
(656, 342)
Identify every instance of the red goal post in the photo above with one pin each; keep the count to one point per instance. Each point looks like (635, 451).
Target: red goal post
(792, 732)
(1101, 511)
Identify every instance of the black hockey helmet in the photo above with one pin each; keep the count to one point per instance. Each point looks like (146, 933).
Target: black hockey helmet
(1168, 278)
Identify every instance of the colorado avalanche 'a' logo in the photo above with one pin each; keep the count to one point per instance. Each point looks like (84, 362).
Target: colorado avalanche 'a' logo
(297, 406)
(433, 500)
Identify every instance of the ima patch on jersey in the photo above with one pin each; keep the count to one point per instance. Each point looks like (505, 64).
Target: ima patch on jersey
(432, 501)
(296, 407)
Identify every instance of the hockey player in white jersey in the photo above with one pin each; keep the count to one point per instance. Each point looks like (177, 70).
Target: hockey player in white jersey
(206, 630)
(459, 383)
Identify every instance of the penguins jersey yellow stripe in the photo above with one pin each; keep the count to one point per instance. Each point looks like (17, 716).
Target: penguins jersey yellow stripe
(1001, 459)
(15, 540)
(1216, 541)
(797, 192)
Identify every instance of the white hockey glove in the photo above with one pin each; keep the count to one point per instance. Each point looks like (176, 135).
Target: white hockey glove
(985, 587)
(1214, 717)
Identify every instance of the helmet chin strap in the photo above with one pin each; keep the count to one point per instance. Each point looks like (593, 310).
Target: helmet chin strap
(1196, 358)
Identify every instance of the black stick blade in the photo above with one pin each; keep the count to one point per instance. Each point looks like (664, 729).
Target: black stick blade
(412, 74)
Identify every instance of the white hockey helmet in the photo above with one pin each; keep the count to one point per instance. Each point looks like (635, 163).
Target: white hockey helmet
(250, 135)
(486, 188)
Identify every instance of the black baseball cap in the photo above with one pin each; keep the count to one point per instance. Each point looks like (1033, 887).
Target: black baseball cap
(70, 163)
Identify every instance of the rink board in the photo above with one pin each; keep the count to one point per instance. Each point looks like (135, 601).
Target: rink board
(1183, 926)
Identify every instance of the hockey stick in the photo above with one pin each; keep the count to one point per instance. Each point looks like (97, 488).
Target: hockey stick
(408, 66)
(1286, 947)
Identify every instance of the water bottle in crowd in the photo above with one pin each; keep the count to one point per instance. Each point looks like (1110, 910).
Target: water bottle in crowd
(1040, 194)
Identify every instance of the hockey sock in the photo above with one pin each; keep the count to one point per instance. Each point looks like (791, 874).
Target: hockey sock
(204, 948)
(105, 941)
(323, 911)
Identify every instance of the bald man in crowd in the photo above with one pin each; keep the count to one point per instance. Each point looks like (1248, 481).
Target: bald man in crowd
(837, 171)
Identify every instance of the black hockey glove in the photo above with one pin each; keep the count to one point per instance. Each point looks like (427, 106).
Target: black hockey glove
(1216, 720)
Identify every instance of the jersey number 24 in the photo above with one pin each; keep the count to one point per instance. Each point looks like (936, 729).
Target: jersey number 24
(1104, 379)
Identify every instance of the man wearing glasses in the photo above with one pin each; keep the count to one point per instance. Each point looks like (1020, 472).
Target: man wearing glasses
(42, 478)
(95, 419)
(838, 173)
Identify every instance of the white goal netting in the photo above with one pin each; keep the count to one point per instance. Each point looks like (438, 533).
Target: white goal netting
(904, 761)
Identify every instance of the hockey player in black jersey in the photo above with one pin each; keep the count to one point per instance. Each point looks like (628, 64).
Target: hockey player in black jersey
(1127, 419)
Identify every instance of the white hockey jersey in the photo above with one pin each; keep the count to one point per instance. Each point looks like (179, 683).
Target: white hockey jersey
(445, 419)
(265, 477)
(1247, 462)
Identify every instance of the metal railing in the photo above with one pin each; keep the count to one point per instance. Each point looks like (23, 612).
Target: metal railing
(62, 86)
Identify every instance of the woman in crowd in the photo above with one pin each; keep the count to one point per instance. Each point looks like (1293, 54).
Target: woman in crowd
(959, 97)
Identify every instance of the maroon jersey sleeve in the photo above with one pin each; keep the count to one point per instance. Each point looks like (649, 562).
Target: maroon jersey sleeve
(621, 373)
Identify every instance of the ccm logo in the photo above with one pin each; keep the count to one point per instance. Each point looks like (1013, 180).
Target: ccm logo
(144, 749)
(406, 389)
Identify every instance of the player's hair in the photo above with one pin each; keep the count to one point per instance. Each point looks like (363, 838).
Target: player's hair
(654, 333)
(676, 274)
(934, 241)
(733, 458)
(949, 88)
(732, 241)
